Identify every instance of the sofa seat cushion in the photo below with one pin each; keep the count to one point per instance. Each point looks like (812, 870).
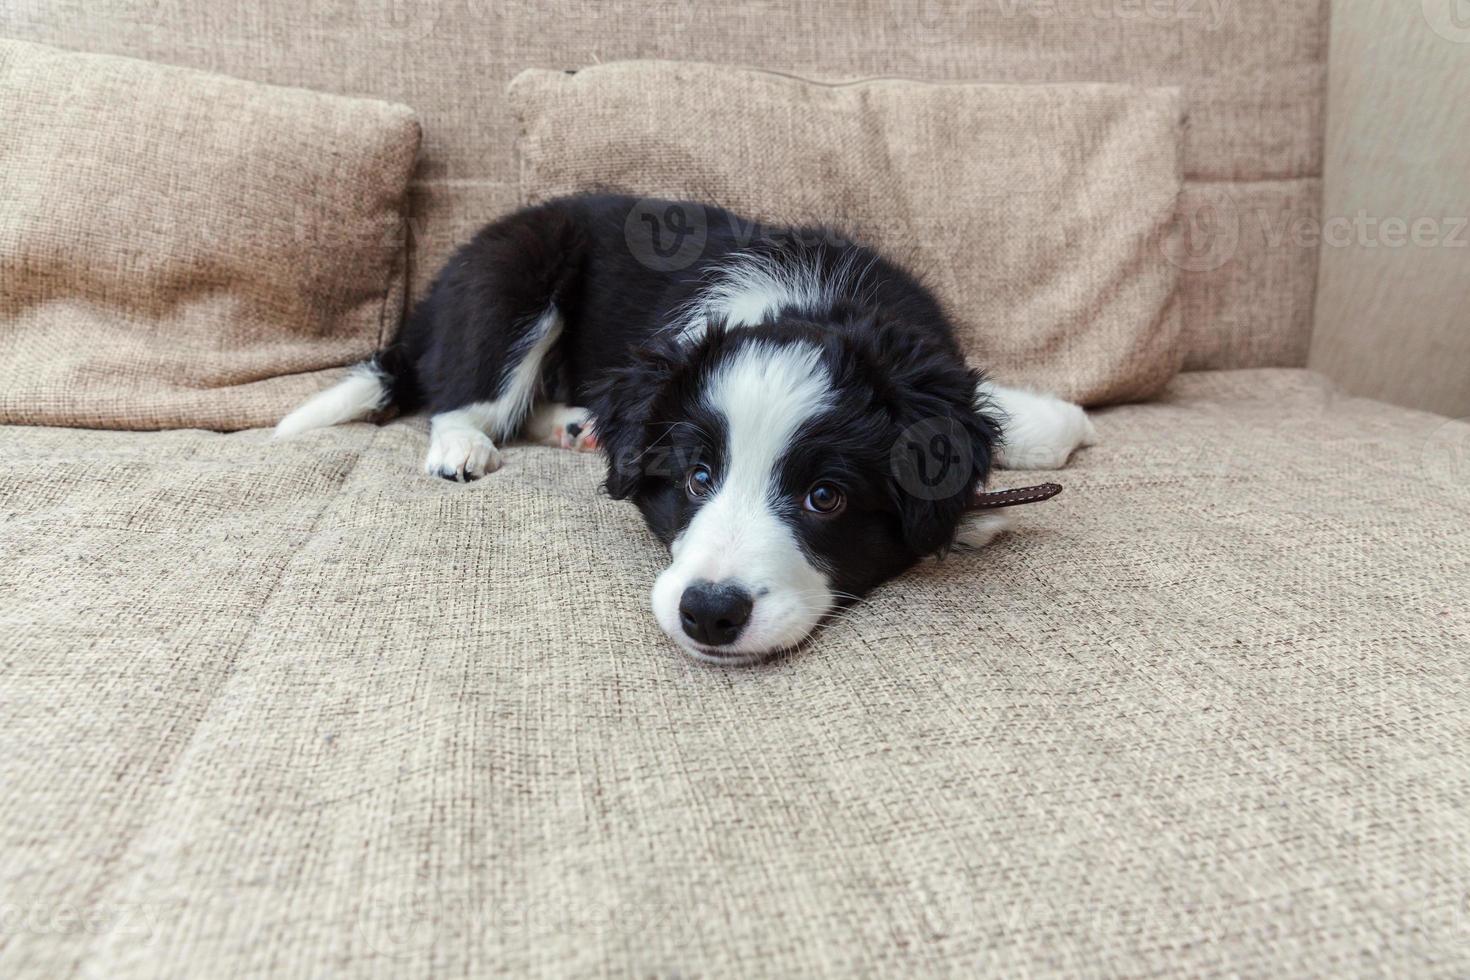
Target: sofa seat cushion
(294, 703)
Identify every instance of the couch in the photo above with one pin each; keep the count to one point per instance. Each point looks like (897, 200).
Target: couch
(291, 708)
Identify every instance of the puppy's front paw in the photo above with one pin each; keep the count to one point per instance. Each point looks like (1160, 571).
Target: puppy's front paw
(978, 530)
(461, 455)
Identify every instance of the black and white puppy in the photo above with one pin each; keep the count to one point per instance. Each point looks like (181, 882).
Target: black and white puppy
(789, 410)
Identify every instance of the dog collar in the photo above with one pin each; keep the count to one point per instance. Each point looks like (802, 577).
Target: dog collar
(1015, 497)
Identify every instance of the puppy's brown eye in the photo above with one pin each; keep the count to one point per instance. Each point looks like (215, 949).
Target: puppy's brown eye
(699, 481)
(824, 498)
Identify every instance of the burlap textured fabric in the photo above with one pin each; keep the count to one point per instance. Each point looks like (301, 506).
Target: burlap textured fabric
(183, 249)
(298, 709)
(1042, 216)
(1252, 74)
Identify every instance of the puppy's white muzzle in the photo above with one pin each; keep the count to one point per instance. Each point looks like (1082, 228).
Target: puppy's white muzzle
(739, 587)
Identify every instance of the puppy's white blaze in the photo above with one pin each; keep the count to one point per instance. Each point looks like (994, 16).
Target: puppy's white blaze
(765, 395)
(752, 287)
(360, 394)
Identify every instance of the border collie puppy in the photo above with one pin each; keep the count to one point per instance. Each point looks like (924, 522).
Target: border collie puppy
(789, 410)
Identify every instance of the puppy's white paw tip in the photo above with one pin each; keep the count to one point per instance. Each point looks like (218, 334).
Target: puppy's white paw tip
(978, 530)
(462, 456)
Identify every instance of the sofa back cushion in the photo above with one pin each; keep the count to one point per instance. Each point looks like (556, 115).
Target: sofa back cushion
(1039, 214)
(184, 249)
(1252, 75)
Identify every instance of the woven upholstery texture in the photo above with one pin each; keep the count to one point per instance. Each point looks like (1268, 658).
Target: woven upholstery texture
(1041, 215)
(1252, 74)
(294, 708)
(179, 248)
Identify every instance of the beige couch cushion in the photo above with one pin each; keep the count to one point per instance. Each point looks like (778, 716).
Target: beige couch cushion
(1252, 75)
(180, 249)
(297, 707)
(1039, 214)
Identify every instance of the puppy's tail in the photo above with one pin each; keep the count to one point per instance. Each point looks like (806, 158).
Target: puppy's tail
(369, 388)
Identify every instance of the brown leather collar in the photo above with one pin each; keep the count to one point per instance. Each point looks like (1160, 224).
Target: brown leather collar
(1015, 497)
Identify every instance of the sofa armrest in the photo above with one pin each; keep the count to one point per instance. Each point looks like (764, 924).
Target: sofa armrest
(1393, 299)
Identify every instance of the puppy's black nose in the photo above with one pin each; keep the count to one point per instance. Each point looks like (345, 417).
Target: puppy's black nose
(714, 614)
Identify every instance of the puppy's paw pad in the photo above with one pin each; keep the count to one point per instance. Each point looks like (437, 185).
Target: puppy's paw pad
(580, 437)
(572, 429)
(461, 456)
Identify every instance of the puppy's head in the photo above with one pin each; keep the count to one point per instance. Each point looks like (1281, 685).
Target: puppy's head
(789, 467)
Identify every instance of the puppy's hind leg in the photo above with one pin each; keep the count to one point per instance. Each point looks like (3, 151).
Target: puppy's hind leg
(462, 440)
(1039, 432)
(563, 426)
(483, 339)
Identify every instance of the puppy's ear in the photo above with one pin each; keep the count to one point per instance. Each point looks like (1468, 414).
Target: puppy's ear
(943, 442)
(939, 458)
(622, 406)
